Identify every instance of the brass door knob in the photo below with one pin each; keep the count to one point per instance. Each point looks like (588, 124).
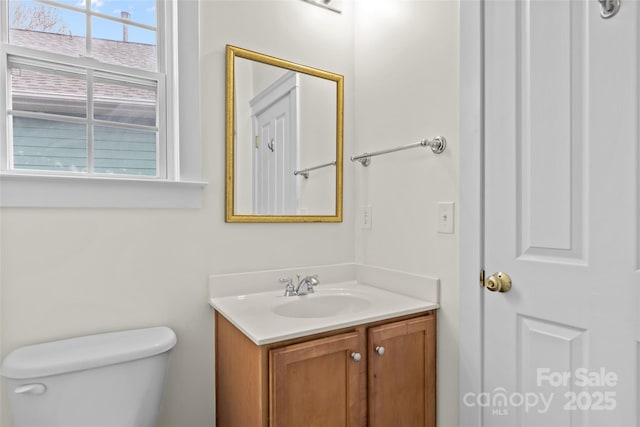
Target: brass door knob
(499, 282)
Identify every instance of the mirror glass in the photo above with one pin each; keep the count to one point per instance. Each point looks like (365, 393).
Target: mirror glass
(284, 140)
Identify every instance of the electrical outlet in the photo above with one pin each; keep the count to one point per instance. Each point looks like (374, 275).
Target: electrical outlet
(365, 217)
(445, 217)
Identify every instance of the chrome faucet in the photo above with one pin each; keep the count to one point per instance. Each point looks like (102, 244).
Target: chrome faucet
(305, 286)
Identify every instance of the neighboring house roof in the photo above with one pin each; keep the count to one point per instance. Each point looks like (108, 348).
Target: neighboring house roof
(129, 54)
(59, 92)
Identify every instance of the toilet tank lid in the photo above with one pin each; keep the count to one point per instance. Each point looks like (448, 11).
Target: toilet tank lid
(92, 351)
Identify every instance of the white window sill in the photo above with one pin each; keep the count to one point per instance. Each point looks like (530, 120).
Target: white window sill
(18, 190)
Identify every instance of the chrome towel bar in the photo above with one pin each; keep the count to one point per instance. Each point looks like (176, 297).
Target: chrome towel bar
(305, 172)
(437, 144)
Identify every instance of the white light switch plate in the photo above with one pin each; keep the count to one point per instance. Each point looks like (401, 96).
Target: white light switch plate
(445, 217)
(365, 217)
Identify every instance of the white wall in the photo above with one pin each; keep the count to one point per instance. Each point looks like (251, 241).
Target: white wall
(67, 272)
(406, 78)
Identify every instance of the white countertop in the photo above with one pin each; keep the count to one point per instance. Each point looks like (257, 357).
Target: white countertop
(254, 314)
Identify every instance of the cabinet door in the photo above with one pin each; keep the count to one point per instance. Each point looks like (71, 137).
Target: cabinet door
(318, 383)
(402, 373)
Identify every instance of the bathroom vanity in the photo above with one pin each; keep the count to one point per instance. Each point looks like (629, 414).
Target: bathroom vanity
(375, 374)
(349, 354)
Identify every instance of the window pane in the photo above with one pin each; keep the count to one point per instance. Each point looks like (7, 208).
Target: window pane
(124, 151)
(49, 145)
(42, 90)
(74, 3)
(124, 103)
(68, 118)
(142, 11)
(44, 27)
(121, 44)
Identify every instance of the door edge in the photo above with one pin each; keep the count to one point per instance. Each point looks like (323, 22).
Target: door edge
(471, 239)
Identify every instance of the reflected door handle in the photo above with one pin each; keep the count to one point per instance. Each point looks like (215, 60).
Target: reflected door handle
(271, 146)
(609, 8)
(498, 282)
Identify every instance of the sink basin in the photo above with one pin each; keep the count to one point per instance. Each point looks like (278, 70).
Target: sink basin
(309, 306)
(268, 317)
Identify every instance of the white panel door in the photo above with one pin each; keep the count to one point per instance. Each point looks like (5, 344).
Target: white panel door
(275, 155)
(561, 214)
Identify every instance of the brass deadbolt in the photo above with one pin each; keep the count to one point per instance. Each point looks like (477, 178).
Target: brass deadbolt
(499, 282)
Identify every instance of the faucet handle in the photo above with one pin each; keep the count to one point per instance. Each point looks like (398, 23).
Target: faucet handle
(290, 290)
(312, 281)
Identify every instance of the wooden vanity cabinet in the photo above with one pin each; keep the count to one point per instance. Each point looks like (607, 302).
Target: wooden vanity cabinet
(337, 378)
(402, 367)
(318, 382)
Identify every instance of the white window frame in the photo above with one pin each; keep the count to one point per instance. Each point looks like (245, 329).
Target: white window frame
(181, 185)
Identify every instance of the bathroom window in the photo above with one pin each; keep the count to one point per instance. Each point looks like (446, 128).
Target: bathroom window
(88, 85)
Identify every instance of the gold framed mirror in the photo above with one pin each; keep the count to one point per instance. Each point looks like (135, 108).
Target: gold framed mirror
(284, 140)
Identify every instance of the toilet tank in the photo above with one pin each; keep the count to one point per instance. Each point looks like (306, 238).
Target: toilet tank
(111, 379)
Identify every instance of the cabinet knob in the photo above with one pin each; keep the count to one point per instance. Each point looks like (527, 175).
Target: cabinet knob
(356, 356)
(380, 350)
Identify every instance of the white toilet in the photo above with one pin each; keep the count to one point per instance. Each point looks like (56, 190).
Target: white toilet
(107, 380)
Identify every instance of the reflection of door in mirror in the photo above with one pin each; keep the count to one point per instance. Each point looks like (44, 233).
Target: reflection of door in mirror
(275, 130)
